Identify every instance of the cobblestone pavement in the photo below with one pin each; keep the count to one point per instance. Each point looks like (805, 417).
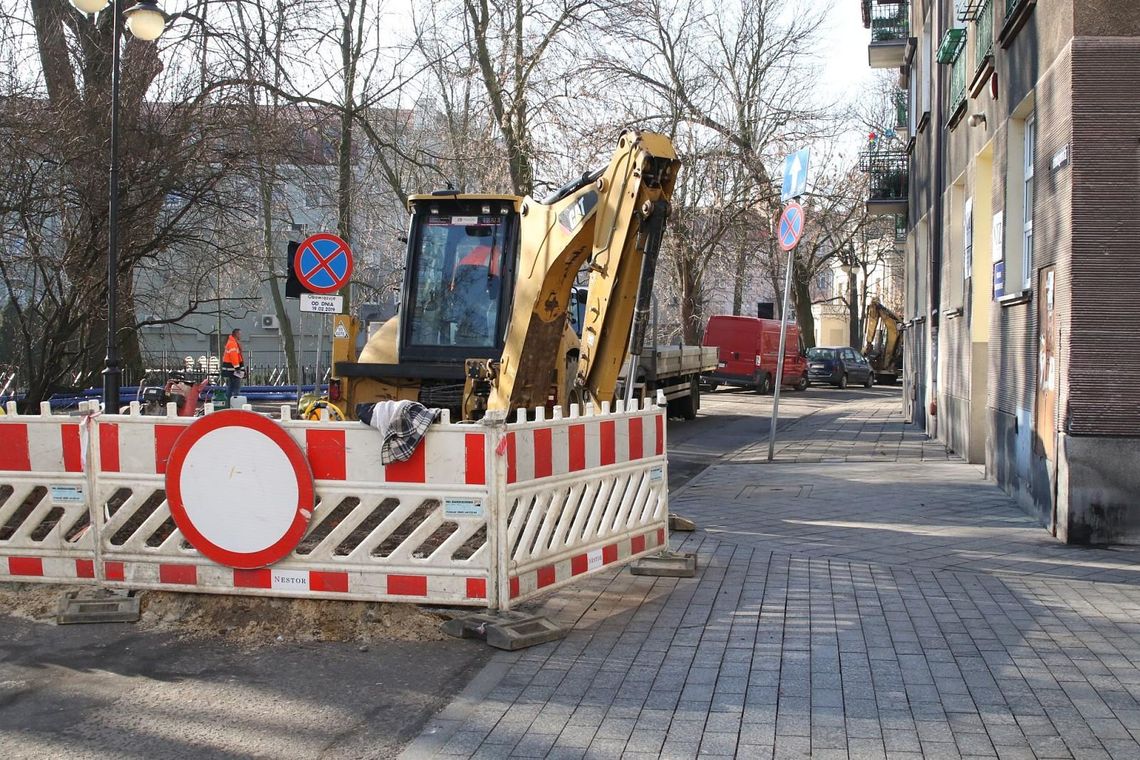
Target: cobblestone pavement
(889, 603)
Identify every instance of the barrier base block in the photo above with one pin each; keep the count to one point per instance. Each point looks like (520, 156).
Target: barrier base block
(666, 564)
(98, 606)
(681, 524)
(504, 630)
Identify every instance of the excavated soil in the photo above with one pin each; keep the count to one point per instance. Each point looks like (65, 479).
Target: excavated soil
(247, 621)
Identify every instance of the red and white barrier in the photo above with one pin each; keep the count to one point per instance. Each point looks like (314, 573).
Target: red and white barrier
(582, 493)
(483, 514)
(44, 517)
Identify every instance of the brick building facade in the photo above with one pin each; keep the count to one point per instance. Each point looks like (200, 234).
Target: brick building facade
(1022, 199)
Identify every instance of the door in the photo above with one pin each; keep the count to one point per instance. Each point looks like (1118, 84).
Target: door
(1045, 428)
(857, 368)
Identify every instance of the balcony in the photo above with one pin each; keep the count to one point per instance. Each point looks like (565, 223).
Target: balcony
(901, 102)
(889, 22)
(983, 47)
(887, 181)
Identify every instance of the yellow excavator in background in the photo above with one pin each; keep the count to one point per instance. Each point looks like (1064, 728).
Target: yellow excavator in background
(483, 315)
(884, 342)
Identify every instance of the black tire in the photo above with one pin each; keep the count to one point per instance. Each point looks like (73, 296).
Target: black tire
(687, 406)
(870, 381)
(843, 381)
(764, 384)
(802, 385)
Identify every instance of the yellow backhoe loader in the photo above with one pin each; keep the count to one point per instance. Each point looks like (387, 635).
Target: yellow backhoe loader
(884, 343)
(483, 315)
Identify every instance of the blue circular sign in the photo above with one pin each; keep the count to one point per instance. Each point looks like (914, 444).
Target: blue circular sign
(323, 263)
(791, 226)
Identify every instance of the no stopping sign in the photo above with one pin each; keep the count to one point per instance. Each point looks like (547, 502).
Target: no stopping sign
(240, 489)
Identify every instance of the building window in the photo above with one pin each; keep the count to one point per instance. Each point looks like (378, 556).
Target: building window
(1027, 207)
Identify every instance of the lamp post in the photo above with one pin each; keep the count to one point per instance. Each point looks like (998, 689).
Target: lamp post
(851, 268)
(146, 21)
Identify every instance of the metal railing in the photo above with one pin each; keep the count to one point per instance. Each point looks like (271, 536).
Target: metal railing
(902, 109)
(890, 22)
(984, 33)
(887, 170)
(1010, 5)
(957, 83)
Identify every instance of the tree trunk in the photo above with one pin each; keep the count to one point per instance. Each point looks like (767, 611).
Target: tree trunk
(801, 291)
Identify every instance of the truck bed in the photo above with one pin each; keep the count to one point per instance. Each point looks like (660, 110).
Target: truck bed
(664, 362)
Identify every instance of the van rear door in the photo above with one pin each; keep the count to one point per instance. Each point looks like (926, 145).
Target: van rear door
(735, 340)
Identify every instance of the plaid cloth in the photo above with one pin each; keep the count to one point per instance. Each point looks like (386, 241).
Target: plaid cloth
(402, 423)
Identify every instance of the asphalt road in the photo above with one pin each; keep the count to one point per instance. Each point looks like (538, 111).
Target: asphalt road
(115, 690)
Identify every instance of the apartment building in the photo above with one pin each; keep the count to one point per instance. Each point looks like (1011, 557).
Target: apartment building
(1018, 172)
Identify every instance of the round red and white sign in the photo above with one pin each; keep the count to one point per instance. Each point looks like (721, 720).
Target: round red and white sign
(240, 489)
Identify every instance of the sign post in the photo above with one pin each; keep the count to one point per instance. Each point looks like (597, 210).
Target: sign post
(323, 265)
(791, 228)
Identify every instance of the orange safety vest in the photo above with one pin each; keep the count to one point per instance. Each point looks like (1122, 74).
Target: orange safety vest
(233, 356)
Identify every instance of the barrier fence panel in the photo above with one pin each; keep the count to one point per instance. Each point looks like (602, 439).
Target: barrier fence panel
(581, 493)
(44, 522)
(484, 514)
(410, 531)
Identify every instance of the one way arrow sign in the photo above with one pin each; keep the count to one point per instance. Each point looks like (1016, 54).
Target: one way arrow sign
(795, 175)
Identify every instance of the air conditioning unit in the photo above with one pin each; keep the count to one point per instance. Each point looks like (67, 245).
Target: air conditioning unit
(269, 322)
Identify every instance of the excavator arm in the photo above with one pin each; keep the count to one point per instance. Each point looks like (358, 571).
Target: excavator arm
(883, 358)
(611, 220)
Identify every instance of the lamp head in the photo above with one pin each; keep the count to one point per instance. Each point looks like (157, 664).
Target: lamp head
(145, 20)
(90, 6)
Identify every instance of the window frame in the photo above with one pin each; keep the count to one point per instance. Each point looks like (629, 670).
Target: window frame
(1028, 197)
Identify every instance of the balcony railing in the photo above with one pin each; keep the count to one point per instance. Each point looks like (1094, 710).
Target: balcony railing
(902, 108)
(1010, 5)
(887, 174)
(984, 33)
(957, 83)
(968, 10)
(890, 21)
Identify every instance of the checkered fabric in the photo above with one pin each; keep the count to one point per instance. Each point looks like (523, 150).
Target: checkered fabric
(402, 423)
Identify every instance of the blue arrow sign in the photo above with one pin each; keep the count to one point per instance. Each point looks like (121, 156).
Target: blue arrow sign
(795, 175)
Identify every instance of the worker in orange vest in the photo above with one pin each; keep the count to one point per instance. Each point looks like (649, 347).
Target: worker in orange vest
(233, 364)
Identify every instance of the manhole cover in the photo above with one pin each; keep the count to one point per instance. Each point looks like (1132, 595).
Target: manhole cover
(753, 491)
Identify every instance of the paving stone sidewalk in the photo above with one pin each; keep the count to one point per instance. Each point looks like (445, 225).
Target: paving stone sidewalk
(882, 605)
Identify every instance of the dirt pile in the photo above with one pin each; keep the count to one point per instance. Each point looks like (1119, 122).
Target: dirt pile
(247, 621)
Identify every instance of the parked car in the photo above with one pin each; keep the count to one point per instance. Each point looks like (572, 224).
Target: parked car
(748, 348)
(838, 365)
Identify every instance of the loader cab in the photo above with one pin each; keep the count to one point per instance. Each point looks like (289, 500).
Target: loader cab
(459, 277)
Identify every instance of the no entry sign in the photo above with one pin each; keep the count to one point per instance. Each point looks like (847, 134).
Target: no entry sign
(240, 489)
(323, 263)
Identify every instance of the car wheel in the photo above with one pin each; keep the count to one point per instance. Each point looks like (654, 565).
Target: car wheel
(802, 385)
(843, 381)
(870, 381)
(764, 384)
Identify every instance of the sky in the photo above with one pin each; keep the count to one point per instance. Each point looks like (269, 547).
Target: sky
(845, 66)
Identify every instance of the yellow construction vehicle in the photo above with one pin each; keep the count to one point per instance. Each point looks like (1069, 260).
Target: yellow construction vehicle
(483, 321)
(884, 342)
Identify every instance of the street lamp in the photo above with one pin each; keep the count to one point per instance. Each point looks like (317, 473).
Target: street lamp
(851, 268)
(146, 21)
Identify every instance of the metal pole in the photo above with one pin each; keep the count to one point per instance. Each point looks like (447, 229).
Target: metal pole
(112, 372)
(780, 358)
